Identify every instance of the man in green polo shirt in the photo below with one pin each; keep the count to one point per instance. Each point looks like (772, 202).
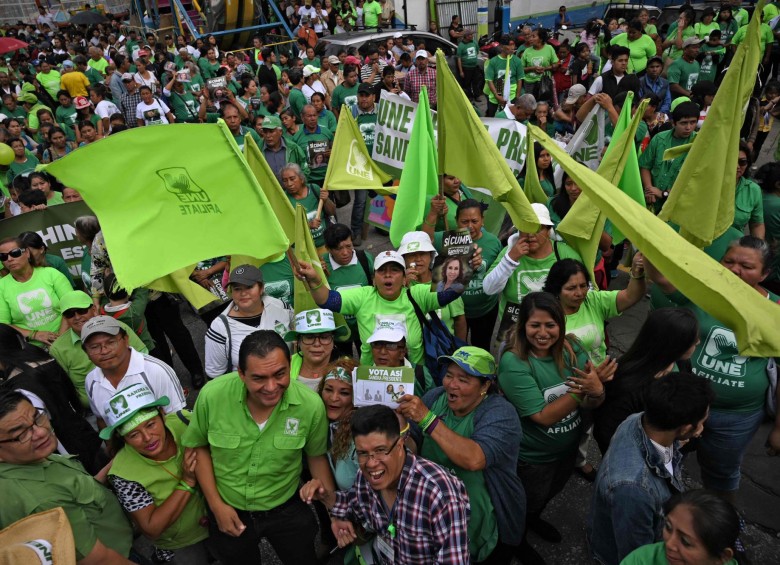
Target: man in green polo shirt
(250, 431)
(34, 479)
(77, 308)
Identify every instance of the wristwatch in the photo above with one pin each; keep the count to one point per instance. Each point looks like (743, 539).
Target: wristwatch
(665, 194)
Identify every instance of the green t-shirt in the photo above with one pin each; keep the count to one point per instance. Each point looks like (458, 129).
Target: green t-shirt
(767, 37)
(663, 172)
(316, 147)
(588, 322)
(708, 65)
(727, 31)
(310, 203)
(93, 75)
(278, 280)
(254, 469)
(654, 554)
(32, 305)
(641, 50)
(66, 116)
(703, 30)
(475, 301)
(99, 65)
(242, 132)
(348, 276)
(672, 51)
(326, 119)
(184, 107)
(344, 95)
(452, 209)
(543, 57)
(296, 101)
(748, 205)
(771, 203)
(684, 73)
(367, 125)
(742, 17)
(468, 53)
(770, 11)
(371, 13)
(17, 112)
(530, 386)
(57, 262)
(208, 70)
(370, 308)
(50, 81)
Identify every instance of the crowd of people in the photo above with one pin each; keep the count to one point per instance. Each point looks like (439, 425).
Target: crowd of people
(265, 438)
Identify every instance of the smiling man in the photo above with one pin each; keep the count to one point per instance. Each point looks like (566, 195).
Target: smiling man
(251, 430)
(418, 510)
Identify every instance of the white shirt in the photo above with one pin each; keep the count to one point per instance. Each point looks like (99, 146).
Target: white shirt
(143, 369)
(105, 108)
(152, 114)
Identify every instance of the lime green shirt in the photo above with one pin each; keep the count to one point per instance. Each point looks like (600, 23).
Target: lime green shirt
(32, 305)
(588, 322)
(348, 276)
(672, 51)
(654, 554)
(254, 469)
(767, 38)
(640, 50)
(703, 30)
(543, 57)
(748, 205)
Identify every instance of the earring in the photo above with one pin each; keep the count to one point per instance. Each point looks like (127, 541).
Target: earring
(483, 393)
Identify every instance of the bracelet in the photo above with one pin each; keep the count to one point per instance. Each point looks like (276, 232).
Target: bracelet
(596, 395)
(432, 425)
(427, 223)
(316, 287)
(576, 398)
(426, 421)
(405, 430)
(185, 487)
(631, 274)
(31, 335)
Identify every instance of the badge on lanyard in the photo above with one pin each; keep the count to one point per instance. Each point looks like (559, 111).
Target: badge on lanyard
(383, 544)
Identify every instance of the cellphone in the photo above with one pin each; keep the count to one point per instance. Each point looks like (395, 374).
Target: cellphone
(412, 265)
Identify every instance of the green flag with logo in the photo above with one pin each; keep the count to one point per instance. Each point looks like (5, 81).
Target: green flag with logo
(164, 210)
(467, 151)
(701, 201)
(274, 192)
(419, 179)
(708, 284)
(350, 166)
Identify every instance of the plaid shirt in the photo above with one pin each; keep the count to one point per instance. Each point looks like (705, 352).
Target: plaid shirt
(129, 104)
(430, 514)
(415, 80)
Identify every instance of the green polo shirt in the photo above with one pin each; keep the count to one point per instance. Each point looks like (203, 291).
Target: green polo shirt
(257, 470)
(93, 511)
(664, 173)
(67, 351)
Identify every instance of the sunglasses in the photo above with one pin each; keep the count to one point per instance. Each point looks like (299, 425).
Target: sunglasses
(71, 312)
(15, 253)
(742, 162)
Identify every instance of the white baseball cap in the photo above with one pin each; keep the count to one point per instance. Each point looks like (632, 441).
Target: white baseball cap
(120, 409)
(389, 257)
(542, 213)
(415, 241)
(316, 321)
(388, 330)
(422, 53)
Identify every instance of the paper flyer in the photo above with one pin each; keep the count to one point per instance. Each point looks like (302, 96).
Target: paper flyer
(381, 385)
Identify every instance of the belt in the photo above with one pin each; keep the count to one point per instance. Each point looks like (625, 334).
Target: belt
(276, 509)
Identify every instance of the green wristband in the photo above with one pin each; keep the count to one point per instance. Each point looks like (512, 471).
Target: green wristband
(185, 487)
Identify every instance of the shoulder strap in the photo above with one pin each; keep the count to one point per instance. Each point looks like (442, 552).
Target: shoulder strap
(555, 250)
(363, 260)
(182, 417)
(229, 342)
(417, 310)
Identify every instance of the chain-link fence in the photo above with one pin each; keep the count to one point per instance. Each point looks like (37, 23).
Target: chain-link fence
(12, 11)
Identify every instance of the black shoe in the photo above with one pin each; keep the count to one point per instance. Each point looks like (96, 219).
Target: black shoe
(528, 555)
(544, 530)
(198, 381)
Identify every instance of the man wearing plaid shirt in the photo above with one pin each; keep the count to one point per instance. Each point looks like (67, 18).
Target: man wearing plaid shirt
(419, 76)
(417, 509)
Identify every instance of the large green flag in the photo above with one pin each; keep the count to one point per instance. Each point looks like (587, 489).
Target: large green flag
(269, 184)
(583, 225)
(708, 284)
(419, 179)
(350, 167)
(701, 201)
(179, 282)
(305, 250)
(467, 151)
(164, 210)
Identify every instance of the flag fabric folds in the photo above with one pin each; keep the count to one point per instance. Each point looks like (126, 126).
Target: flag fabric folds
(270, 186)
(532, 188)
(708, 284)
(305, 250)
(172, 208)
(467, 151)
(350, 167)
(420, 178)
(702, 198)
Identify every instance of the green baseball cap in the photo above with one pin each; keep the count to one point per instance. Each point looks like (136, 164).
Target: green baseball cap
(474, 360)
(272, 122)
(120, 410)
(27, 98)
(677, 101)
(74, 299)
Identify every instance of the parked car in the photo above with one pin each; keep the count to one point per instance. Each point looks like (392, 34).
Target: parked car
(628, 11)
(670, 14)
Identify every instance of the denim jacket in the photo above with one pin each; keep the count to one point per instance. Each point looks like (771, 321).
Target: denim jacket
(659, 87)
(632, 485)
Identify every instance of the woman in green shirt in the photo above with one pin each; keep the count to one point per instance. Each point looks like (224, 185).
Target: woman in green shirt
(37, 248)
(700, 529)
(42, 182)
(728, 25)
(539, 60)
(679, 31)
(769, 175)
(314, 332)
(543, 168)
(547, 377)
(749, 205)
(246, 94)
(153, 475)
(309, 196)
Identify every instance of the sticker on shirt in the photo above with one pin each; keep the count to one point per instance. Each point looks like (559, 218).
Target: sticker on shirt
(36, 307)
(152, 116)
(692, 78)
(291, 426)
(280, 327)
(391, 322)
(531, 281)
(367, 131)
(351, 101)
(568, 422)
(719, 357)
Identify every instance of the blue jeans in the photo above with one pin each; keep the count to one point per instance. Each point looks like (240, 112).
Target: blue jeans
(358, 211)
(722, 446)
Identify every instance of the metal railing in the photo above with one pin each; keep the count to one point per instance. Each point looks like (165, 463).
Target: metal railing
(12, 11)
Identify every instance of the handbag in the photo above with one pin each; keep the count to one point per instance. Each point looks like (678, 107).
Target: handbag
(341, 198)
(545, 91)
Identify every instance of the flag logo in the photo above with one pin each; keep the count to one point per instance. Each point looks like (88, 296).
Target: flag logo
(357, 164)
(193, 199)
(291, 426)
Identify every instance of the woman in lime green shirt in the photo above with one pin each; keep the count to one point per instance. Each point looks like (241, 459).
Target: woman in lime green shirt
(538, 60)
(700, 528)
(679, 31)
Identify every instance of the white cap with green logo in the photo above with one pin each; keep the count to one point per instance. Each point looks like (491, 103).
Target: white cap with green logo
(128, 408)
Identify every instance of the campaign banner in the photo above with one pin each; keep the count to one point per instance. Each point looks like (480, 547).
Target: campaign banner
(56, 227)
(395, 116)
(380, 211)
(381, 385)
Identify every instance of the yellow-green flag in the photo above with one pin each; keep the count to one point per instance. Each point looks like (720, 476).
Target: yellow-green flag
(305, 250)
(709, 285)
(172, 209)
(532, 188)
(701, 201)
(269, 184)
(179, 282)
(583, 225)
(350, 166)
(467, 151)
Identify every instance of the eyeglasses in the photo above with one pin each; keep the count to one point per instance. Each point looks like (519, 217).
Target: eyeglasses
(380, 454)
(389, 346)
(15, 253)
(98, 347)
(71, 312)
(322, 338)
(40, 420)
(740, 162)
